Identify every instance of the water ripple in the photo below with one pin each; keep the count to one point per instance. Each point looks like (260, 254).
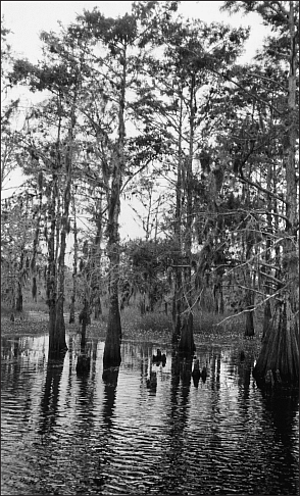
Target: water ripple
(65, 434)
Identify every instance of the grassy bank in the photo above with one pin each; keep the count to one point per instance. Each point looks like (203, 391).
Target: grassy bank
(157, 327)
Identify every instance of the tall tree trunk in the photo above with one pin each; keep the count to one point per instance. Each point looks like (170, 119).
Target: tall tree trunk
(96, 264)
(75, 264)
(112, 356)
(187, 345)
(279, 356)
(112, 353)
(57, 343)
(51, 279)
(177, 298)
(98, 308)
(19, 299)
(249, 295)
(60, 322)
(218, 291)
(37, 234)
(267, 306)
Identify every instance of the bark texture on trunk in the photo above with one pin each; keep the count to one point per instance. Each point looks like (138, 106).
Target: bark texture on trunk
(279, 357)
(60, 322)
(112, 354)
(98, 308)
(186, 344)
(75, 265)
(51, 275)
(57, 343)
(177, 297)
(19, 300)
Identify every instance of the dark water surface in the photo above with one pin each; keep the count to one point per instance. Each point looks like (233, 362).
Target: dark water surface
(64, 434)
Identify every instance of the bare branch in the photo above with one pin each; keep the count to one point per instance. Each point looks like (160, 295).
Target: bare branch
(256, 185)
(247, 310)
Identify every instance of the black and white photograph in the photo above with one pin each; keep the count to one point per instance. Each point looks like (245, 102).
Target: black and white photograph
(150, 248)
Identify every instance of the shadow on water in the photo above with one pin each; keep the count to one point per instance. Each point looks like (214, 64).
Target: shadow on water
(107, 432)
(50, 396)
(174, 467)
(84, 358)
(110, 379)
(280, 410)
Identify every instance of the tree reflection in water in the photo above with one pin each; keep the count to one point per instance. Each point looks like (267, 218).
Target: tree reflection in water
(173, 464)
(110, 379)
(105, 430)
(50, 396)
(279, 411)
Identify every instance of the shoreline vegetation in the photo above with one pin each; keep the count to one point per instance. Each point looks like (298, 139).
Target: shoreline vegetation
(204, 151)
(156, 327)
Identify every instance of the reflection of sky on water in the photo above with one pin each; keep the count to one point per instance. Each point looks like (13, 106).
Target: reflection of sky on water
(66, 433)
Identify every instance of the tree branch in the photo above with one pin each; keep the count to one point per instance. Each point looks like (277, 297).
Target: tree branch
(248, 181)
(247, 310)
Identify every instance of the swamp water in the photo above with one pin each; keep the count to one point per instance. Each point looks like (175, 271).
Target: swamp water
(65, 434)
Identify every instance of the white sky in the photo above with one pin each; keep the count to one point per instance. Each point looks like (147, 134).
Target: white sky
(26, 20)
